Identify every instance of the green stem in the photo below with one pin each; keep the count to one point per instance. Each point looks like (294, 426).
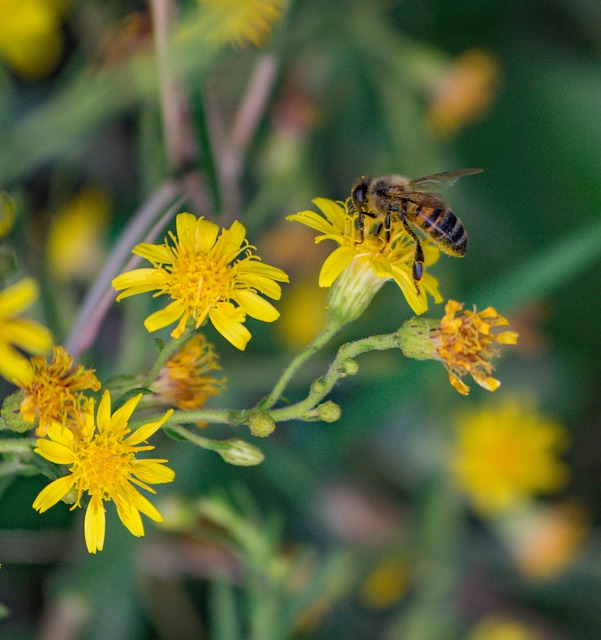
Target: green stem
(299, 411)
(331, 329)
(169, 349)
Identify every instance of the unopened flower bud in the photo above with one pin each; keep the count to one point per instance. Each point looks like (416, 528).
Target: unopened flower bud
(329, 411)
(11, 413)
(261, 424)
(241, 453)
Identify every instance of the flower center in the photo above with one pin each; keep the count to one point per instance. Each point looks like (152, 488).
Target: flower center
(102, 466)
(199, 280)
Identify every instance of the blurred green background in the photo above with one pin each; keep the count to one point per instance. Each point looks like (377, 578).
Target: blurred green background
(350, 88)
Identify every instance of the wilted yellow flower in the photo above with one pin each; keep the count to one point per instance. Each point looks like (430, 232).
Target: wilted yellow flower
(506, 453)
(19, 332)
(466, 344)
(75, 248)
(102, 463)
(53, 390)
(371, 261)
(204, 274)
(31, 37)
(239, 21)
(465, 93)
(187, 379)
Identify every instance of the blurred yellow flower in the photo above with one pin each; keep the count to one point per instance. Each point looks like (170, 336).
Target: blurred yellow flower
(303, 314)
(497, 627)
(75, 240)
(386, 584)
(239, 21)
(19, 332)
(53, 390)
(204, 274)
(31, 37)
(372, 260)
(545, 538)
(505, 453)
(187, 379)
(465, 93)
(102, 463)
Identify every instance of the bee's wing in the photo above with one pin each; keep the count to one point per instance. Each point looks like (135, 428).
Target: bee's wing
(440, 180)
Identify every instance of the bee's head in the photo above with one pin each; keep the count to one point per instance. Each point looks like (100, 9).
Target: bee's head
(359, 192)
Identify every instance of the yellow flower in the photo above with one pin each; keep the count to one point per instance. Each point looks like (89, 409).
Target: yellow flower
(496, 627)
(239, 21)
(205, 275)
(77, 230)
(372, 261)
(19, 332)
(102, 463)
(386, 584)
(185, 381)
(506, 453)
(53, 390)
(465, 93)
(466, 344)
(31, 37)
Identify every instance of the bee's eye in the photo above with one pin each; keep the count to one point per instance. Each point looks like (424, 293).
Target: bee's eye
(359, 193)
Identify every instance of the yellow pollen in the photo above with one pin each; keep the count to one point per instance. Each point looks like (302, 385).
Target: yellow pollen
(199, 280)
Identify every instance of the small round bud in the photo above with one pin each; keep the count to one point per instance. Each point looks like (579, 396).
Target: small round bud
(318, 388)
(329, 411)
(11, 413)
(241, 453)
(261, 424)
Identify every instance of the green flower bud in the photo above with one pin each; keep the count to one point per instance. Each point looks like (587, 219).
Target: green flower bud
(415, 338)
(241, 453)
(329, 411)
(261, 424)
(11, 414)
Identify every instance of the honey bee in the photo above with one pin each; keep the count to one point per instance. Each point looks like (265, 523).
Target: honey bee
(392, 197)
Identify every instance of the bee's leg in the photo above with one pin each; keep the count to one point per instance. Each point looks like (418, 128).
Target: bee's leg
(361, 226)
(387, 226)
(418, 255)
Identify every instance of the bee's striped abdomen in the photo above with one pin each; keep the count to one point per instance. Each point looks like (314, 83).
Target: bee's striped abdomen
(444, 228)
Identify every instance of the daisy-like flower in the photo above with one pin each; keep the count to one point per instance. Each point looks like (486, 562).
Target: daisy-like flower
(365, 265)
(239, 21)
(187, 379)
(19, 333)
(207, 275)
(102, 463)
(464, 343)
(504, 454)
(53, 390)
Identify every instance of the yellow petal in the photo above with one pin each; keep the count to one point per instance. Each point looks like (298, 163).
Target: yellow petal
(17, 297)
(123, 414)
(144, 432)
(228, 321)
(54, 452)
(51, 494)
(155, 253)
(130, 517)
(256, 307)
(94, 525)
(103, 417)
(138, 281)
(164, 317)
(153, 472)
(335, 264)
(27, 334)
